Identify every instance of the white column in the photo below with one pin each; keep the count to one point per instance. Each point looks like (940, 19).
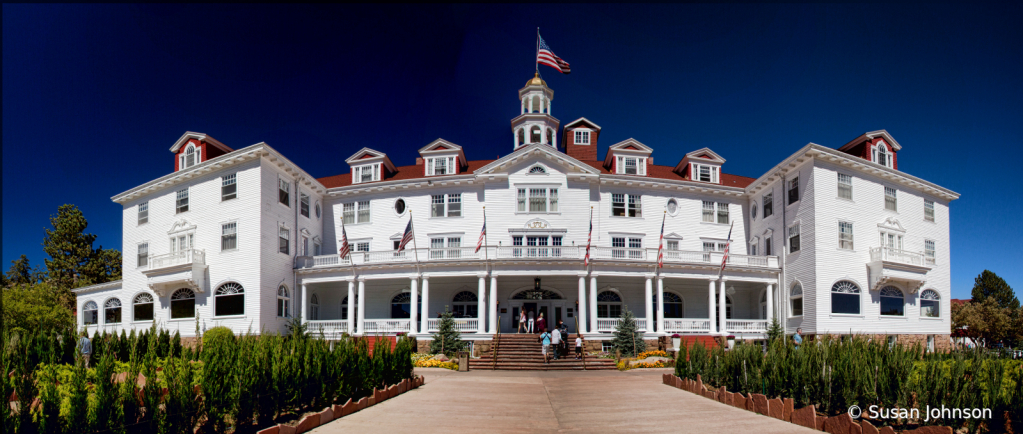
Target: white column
(424, 324)
(548, 106)
(530, 104)
(523, 107)
(593, 304)
(581, 311)
(516, 134)
(660, 304)
(481, 306)
(493, 303)
(351, 307)
(541, 104)
(770, 303)
(710, 314)
(722, 308)
(305, 304)
(648, 303)
(413, 304)
(361, 311)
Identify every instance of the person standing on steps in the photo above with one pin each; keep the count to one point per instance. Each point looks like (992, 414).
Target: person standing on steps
(530, 323)
(522, 321)
(541, 323)
(563, 349)
(578, 347)
(555, 343)
(545, 340)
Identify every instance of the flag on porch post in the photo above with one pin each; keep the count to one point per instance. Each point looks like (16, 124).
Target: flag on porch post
(407, 236)
(660, 244)
(728, 244)
(345, 248)
(586, 260)
(483, 234)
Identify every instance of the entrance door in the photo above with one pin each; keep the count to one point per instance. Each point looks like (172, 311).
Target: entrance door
(531, 313)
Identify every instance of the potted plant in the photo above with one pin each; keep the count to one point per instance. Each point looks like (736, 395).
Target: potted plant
(676, 340)
(731, 341)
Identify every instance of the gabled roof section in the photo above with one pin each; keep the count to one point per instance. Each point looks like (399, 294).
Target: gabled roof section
(189, 135)
(628, 146)
(443, 146)
(372, 155)
(583, 121)
(538, 149)
(704, 155)
(872, 135)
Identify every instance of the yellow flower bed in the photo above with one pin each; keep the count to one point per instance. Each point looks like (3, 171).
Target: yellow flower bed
(430, 363)
(646, 354)
(625, 366)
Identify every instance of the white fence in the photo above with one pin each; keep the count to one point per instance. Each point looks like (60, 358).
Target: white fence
(386, 326)
(607, 325)
(464, 325)
(682, 325)
(187, 256)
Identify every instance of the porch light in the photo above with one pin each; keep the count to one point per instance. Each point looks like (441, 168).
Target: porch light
(537, 292)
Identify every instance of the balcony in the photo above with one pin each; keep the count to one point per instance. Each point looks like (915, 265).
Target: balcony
(181, 269)
(535, 253)
(897, 266)
(329, 328)
(609, 325)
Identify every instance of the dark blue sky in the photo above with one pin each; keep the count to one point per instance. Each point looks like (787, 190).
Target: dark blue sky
(93, 96)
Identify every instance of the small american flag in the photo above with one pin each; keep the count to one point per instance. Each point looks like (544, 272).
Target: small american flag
(346, 249)
(483, 234)
(660, 245)
(407, 236)
(545, 56)
(728, 244)
(586, 260)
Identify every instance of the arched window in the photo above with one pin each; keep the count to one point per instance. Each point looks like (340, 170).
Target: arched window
(728, 310)
(191, 157)
(930, 304)
(142, 307)
(229, 299)
(674, 307)
(845, 298)
(314, 307)
(90, 313)
(538, 169)
(609, 305)
(882, 155)
(112, 311)
(522, 136)
(550, 136)
(465, 304)
(183, 304)
(401, 305)
(796, 299)
(892, 301)
(534, 135)
(283, 302)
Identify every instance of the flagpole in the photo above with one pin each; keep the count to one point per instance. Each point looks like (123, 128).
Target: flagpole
(486, 241)
(537, 65)
(351, 260)
(728, 246)
(415, 248)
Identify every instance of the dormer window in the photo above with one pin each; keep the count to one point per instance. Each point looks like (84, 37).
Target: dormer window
(881, 155)
(440, 166)
(631, 165)
(706, 173)
(366, 173)
(190, 157)
(582, 137)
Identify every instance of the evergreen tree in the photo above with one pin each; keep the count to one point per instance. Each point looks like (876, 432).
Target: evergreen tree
(21, 273)
(627, 338)
(988, 284)
(73, 262)
(774, 330)
(447, 340)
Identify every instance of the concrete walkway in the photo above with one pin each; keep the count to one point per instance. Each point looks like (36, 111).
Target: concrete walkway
(552, 401)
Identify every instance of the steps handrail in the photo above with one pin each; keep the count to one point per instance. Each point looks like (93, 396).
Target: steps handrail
(497, 342)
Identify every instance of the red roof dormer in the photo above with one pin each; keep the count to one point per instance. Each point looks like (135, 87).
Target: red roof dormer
(442, 157)
(702, 165)
(580, 139)
(194, 148)
(369, 165)
(877, 147)
(629, 157)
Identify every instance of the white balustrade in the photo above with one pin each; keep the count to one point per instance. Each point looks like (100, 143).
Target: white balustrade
(607, 324)
(329, 328)
(463, 325)
(181, 257)
(386, 326)
(746, 325)
(685, 325)
(896, 255)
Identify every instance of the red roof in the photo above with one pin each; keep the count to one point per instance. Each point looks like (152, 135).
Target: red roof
(403, 172)
(668, 172)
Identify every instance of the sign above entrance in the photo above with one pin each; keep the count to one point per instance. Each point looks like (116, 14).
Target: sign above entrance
(537, 224)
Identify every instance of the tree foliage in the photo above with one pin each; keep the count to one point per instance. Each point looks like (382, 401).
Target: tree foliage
(985, 322)
(447, 340)
(989, 285)
(21, 273)
(73, 261)
(35, 307)
(627, 338)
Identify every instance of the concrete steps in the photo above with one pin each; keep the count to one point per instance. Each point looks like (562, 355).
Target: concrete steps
(522, 352)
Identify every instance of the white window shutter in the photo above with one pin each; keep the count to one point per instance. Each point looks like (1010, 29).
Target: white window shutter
(451, 166)
(642, 166)
(198, 154)
(356, 175)
(376, 172)
(429, 166)
(620, 167)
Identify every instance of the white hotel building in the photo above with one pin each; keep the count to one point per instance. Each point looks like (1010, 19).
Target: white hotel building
(835, 241)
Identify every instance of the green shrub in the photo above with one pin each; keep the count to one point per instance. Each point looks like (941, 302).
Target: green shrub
(219, 392)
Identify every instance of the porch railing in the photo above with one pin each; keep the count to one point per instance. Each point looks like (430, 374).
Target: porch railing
(896, 255)
(386, 326)
(328, 327)
(678, 325)
(464, 325)
(187, 256)
(607, 325)
(746, 325)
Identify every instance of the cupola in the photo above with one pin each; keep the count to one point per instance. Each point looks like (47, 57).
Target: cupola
(534, 124)
(194, 148)
(876, 146)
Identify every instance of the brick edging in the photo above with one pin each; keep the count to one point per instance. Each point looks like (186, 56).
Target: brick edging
(335, 411)
(783, 409)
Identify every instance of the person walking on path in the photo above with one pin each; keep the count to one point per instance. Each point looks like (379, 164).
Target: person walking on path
(85, 348)
(530, 323)
(541, 324)
(798, 338)
(578, 347)
(556, 343)
(545, 339)
(522, 321)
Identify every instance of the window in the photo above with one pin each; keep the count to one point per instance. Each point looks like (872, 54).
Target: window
(446, 205)
(538, 200)
(363, 215)
(349, 214)
(283, 237)
(845, 235)
(891, 241)
(845, 298)
(767, 245)
(228, 187)
(768, 204)
(705, 173)
(144, 212)
(362, 246)
(929, 253)
(180, 243)
(891, 202)
(626, 205)
(882, 156)
(229, 299)
(303, 204)
(582, 137)
(143, 255)
(283, 302)
(316, 248)
(753, 247)
(112, 311)
(521, 198)
(753, 211)
(142, 307)
(317, 210)
(674, 307)
(844, 186)
(401, 305)
(537, 170)
(796, 299)
(182, 202)
(627, 247)
(722, 213)
(929, 210)
(609, 305)
(183, 304)
(631, 165)
(794, 238)
(465, 305)
(399, 206)
(892, 301)
(229, 236)
(930, 304)
(314, 307)
(191, 157)
(793, 190)
(672, 206)
(441, 165)
(90, 313)
(367, 173)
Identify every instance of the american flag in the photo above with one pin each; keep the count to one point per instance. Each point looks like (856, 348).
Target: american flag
(483, 234)
(545, 56)
(586, 260)
(728, 244)
(346, 249)
(407, 236)
(660, 245)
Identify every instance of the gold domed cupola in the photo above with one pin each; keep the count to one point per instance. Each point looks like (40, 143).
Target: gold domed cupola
(534, 124)
(536, 81)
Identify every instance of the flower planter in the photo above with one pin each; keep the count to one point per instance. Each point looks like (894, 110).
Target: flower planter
(731, 342)
(676, 343)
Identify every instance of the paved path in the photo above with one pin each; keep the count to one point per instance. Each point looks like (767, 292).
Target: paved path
(569, 401)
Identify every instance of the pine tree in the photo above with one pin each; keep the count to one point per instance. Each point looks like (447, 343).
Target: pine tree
(774, 330)
(988, 284)
(627, 338)
(73, 262)
(447, 340)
